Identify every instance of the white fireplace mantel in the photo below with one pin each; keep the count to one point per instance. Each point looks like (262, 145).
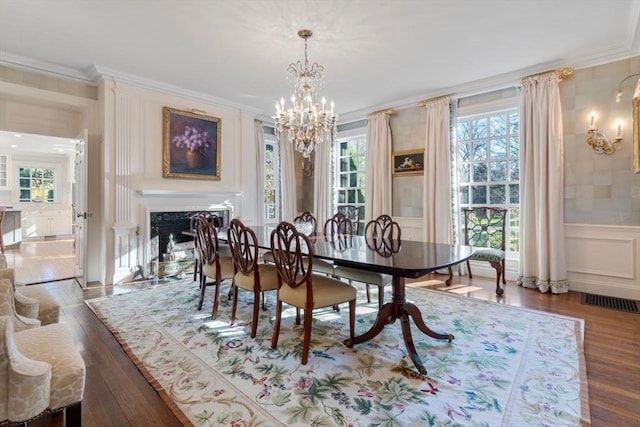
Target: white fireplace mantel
(181, 193)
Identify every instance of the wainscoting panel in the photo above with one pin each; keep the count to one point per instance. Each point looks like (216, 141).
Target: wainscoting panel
(604, 259)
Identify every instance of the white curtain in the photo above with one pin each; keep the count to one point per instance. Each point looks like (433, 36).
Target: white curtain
(288, 183)
(437, 172)
(378, 172)
(322, 187)
(542, 252)
(259, 133)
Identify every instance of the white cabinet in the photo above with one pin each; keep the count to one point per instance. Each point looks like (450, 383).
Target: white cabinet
(46, 222)
(4, 172)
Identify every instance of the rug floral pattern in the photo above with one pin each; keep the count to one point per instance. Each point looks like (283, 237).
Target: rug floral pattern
(506, 366)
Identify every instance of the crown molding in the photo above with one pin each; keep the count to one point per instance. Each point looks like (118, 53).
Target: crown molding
(28, 64)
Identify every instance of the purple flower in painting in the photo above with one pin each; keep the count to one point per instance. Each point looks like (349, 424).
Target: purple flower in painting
(193, 139)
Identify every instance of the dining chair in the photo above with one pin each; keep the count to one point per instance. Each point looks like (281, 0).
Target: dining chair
(305, 223)
(356, 215)
(200, 217)
(249, 275)
(334, 229)
(382, 229)
(212, 264)
(298, 287)
(484, 228)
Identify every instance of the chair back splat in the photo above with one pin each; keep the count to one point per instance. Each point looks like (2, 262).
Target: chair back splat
(308, 217)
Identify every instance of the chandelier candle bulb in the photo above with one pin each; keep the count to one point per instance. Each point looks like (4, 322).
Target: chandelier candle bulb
(592, 126)
(619, 129)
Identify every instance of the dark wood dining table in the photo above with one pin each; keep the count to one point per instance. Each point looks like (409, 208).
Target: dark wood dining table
(401, 259)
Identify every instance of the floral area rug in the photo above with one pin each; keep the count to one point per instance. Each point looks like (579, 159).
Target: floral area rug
(506, 366)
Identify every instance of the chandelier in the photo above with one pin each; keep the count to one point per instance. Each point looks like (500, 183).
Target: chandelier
(305, 123)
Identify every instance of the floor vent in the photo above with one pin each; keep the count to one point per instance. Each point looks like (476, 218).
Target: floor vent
(621, 304)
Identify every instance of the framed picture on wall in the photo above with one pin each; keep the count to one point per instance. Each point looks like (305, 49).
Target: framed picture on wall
(410, 162)
(191, 145)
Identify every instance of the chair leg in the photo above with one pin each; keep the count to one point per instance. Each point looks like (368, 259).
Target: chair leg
(469, 269)
(264, 301)
(307, 334)
(297, 316)
(368, 296)
(256, 309)
(448, 281)
(73, 415)
(234, 305)
(195, 270)
(352, 318)
(203, 288)
(499, 272)
(380, 296)
(216, 299)
(276, 326)
(504, 279)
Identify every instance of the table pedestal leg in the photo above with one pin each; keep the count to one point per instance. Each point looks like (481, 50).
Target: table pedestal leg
(399, 308)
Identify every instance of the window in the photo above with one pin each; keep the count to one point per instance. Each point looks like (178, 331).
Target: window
(271, 182)
(37, 184)
(488, 168)
(349, 177)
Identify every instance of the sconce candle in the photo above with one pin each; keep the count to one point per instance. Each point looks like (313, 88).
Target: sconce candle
(592, 126)
(619, 130)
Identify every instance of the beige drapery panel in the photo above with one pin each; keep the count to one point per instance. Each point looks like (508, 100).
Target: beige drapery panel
(437, 172)
(259, 136)
(378, 171)
(542, 251)
(288, 183)
(322, 187)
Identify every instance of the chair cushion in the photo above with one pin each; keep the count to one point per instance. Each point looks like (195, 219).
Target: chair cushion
(268, 257)
(226, 269)
(363, 276)
(488, 254)
(53, 344)
(268, 278)
(326, 292)
(48, 308)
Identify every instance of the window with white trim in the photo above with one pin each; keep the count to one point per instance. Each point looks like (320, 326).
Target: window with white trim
(349, 176)
(488, 167)
(271, 182)
(37, 184)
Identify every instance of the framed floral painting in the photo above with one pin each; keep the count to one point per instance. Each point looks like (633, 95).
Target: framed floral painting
(191, 145)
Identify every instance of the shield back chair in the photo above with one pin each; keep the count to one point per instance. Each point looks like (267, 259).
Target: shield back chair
(484, 228)
(380, 229)
(306, 223)
(356, 215)
(198, 218)
(249, 275)
(42, 374)
(335, 229)
(298, 287)
(213, 265)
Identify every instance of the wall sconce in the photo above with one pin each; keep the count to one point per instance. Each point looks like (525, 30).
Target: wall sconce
(599, 141)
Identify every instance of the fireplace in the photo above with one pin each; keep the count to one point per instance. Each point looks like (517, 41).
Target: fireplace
(164, 226)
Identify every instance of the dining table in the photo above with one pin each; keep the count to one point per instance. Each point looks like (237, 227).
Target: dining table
(402, 259)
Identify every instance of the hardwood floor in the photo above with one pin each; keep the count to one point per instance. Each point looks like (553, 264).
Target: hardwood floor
(118, 395)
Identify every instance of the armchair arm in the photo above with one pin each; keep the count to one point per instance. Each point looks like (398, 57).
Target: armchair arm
(26, 306)
(29, 387)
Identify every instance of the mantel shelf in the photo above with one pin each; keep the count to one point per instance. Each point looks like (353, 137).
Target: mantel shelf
(179, 193)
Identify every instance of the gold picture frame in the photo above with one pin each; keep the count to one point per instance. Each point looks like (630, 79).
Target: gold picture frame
(408, 162)
(191, 145)
(636, 134)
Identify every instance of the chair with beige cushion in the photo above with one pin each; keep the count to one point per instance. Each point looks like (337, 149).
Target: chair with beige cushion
(8, 308)
(249, 275)
(33, 301)
(380, 229)
(298, 287)
(41, 372)
(213, 265)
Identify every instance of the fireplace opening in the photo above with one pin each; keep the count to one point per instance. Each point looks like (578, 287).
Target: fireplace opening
(166, 226)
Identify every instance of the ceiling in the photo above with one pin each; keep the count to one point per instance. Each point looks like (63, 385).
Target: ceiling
(377, 54)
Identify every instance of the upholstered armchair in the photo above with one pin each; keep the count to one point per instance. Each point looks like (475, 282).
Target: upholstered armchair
(41, 372)
(8, 308)
(33, 302)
